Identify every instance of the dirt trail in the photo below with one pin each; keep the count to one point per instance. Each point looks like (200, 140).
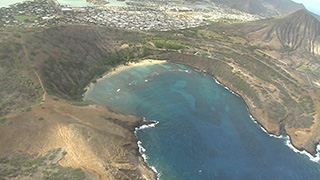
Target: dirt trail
(96, 140)
(30, 64)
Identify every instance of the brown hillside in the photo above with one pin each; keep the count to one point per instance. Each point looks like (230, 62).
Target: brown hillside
(65, 58)
(266, 8)
(95, 139)
(298, 32)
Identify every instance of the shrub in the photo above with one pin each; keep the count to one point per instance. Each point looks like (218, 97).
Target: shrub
(3, 120)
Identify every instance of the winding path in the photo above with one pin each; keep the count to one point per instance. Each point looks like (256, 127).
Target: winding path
(35, 72)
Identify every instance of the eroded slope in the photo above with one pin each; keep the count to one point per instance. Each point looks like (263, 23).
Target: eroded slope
(94, 139)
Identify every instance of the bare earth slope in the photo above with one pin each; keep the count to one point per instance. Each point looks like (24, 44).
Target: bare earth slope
(62, 61)
(95, 139)
(298, 31)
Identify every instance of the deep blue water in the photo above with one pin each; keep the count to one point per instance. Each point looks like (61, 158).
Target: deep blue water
(205, 131)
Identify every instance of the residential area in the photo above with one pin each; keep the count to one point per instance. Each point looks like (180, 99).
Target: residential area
(135, 16)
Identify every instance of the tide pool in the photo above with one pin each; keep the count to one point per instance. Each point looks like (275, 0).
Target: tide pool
(204, 131)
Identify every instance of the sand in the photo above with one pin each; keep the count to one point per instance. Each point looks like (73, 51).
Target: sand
(122, 68)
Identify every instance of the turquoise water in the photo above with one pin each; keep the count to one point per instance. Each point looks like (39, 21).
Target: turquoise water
(204, 131)
(6, 3)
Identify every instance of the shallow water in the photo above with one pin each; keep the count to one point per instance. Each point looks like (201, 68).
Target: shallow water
(204, 131)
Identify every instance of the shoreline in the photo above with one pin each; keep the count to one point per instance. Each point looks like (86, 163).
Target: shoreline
(142, 150)
(116, 70)
(315, 157)
(120, 68)
(286, 138)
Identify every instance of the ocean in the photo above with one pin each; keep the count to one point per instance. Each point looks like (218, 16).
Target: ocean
(203, 131)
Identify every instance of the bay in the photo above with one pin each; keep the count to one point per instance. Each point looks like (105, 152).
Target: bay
(204, 131)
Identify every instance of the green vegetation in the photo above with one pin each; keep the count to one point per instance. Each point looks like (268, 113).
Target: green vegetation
(307, 104)
(277, 111)
(209, 34)
(230, 47)
(168, 44)
(64, 173)
(25, 18)
(123, 56)
(81, 103)
(215, 48)
(17, 90)
(28, 109)
(38, 167)
(84, 73)
(3, 120)
(227, 21)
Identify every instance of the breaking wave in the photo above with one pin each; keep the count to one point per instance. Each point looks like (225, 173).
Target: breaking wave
(142, 150)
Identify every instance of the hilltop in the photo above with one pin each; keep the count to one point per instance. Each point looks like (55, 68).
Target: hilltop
(266, 8)
(297, 32)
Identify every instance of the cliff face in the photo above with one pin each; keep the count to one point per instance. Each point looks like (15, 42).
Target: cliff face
(293, 38)
(297, 31)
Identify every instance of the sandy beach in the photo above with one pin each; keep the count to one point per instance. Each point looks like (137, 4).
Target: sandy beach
(124, 67)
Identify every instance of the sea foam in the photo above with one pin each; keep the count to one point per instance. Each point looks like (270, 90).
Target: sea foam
(287, 140)
(225, 87)
(288, 143)
(263, 129)
(145, 126)
(315, 158)
(142, 150)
